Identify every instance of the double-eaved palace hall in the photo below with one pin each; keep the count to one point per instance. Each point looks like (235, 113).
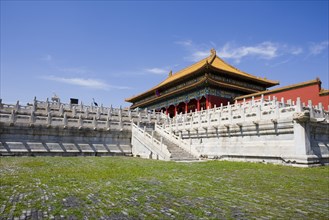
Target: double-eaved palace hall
(213, 82)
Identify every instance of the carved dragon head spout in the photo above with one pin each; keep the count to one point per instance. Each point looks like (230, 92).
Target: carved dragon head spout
(301, 116)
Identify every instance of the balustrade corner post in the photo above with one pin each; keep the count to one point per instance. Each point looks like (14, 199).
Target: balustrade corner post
(144, 131)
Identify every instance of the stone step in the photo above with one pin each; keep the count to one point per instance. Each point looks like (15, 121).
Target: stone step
(177, 153)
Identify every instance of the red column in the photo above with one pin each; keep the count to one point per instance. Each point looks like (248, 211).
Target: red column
(207, 102)
(166, 111)
(175, 110)
(198, 105)
(186, 107)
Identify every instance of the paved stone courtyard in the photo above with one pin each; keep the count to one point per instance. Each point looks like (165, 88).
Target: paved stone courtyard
(127, 188)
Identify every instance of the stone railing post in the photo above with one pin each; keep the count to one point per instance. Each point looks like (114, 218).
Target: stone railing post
(12, 117)
(94, 123)
(109, 113)
(259, 112)
(299, 106)
(98, 113)
(48, 119)
(320, 106)
(17, 106)
(65, 120)
(80, 122)
(311, 108)
(108, 124)
(229, 107)
(32, 118)
(282, 102)
(61, 110)
(87, 112)
(74, 111)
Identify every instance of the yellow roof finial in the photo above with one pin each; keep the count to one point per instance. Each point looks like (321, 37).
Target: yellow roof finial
(213, 52)
(170, 73)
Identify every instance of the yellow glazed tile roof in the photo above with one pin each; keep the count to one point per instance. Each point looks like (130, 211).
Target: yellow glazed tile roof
(214, 61)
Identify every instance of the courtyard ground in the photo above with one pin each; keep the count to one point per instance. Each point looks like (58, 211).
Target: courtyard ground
(133, 188)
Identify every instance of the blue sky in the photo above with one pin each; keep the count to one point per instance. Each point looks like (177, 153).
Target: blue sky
(114, 50)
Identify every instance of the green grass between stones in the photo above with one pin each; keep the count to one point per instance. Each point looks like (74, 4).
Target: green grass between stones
(133, 188)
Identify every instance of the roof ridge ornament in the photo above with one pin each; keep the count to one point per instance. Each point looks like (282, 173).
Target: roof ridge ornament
(170, 73)
(213, 52)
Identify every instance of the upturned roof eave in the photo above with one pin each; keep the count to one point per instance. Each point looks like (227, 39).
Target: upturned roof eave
(170, 93)
(150, 91)
(206, 62)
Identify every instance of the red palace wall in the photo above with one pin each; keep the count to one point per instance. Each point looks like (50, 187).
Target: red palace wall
(215, 100)
(308, 92)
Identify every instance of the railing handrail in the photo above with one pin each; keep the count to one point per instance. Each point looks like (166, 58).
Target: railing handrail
(177, 140)
(155, 145)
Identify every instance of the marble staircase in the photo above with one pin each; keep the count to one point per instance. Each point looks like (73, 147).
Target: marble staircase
(177, 153)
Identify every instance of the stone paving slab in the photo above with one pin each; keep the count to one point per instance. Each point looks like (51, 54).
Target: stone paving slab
(169, 191)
